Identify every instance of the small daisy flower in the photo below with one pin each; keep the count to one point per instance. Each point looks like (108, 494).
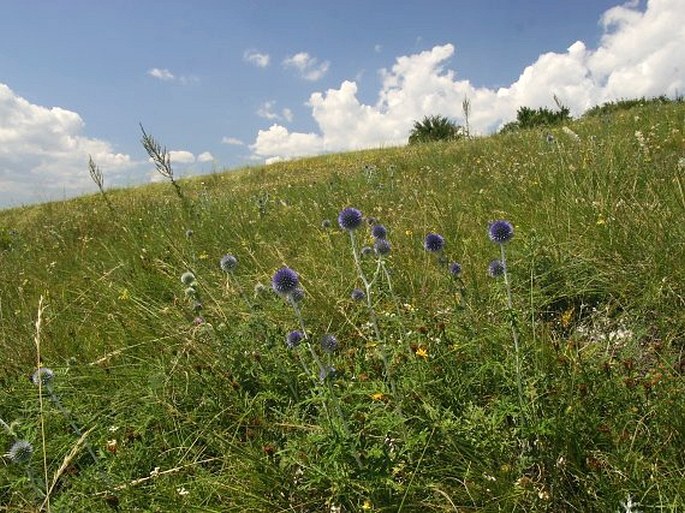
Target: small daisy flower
(434, 242)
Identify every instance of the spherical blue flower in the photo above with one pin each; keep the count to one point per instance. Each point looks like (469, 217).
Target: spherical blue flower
(379, 232)
(327, 372)
(297, 295)
(501, 231)
(350, 219)
(228, 263)
(293, 339)
(434, 242)
(357, 294)
(455, 269)
(44, 376)
(329, 343)
(20, 452)
(367, 250)
(187, 278)
(382, 247)
(285, 281)
(496, 268)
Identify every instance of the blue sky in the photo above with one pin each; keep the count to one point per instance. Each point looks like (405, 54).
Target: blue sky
(225, 84)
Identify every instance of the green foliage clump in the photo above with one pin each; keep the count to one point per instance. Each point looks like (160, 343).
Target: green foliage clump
(435, 128)
(627, 104)
(527, 117)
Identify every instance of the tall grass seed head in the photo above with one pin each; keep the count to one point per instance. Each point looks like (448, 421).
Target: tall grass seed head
(43, 376)
(285, 281)
(379, 231)
(228, 263)
(350, 219)
(329, 343)
(293, 339)
(500, 231)
(496, 269)
(187, 278)
(434, 243)
(20, 452)
(382, 247)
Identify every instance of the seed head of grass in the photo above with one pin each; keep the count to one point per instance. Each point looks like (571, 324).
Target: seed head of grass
(350, 219)
(285, 281)
(434, 243)
(500, 231)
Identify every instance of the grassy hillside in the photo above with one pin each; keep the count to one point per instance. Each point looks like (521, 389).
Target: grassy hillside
(444, 398)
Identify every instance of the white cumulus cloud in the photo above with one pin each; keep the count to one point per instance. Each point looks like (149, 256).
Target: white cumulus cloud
(640, 54)
(233, 141)
(308, 67)
(181, 157)
(266, 111)
(205, 156)
(261, 60)
(44, 153)
(161, 74)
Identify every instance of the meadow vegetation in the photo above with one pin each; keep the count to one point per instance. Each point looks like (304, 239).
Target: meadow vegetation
(425, 378)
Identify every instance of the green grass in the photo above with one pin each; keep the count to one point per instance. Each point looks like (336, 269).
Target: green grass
(232, 422)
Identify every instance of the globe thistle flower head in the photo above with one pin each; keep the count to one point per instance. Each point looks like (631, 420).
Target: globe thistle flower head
(501, 231)
(187, 278)
(43, 376)
(285, 281)
(455, 269)
(190, 292)
(20, 452)
(327, 372)
(496, 269)
(357, 294)
(326, 223)
(293, 339)
(228, 263)
(379, 231)
(367, 250)
(189, 233)
(382, 247)
(434, 243)
(329, 343)
(297, 295)
(350, 219)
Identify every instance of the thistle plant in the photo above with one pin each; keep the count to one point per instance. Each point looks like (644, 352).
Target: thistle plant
(501, 232)
(44, 378)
